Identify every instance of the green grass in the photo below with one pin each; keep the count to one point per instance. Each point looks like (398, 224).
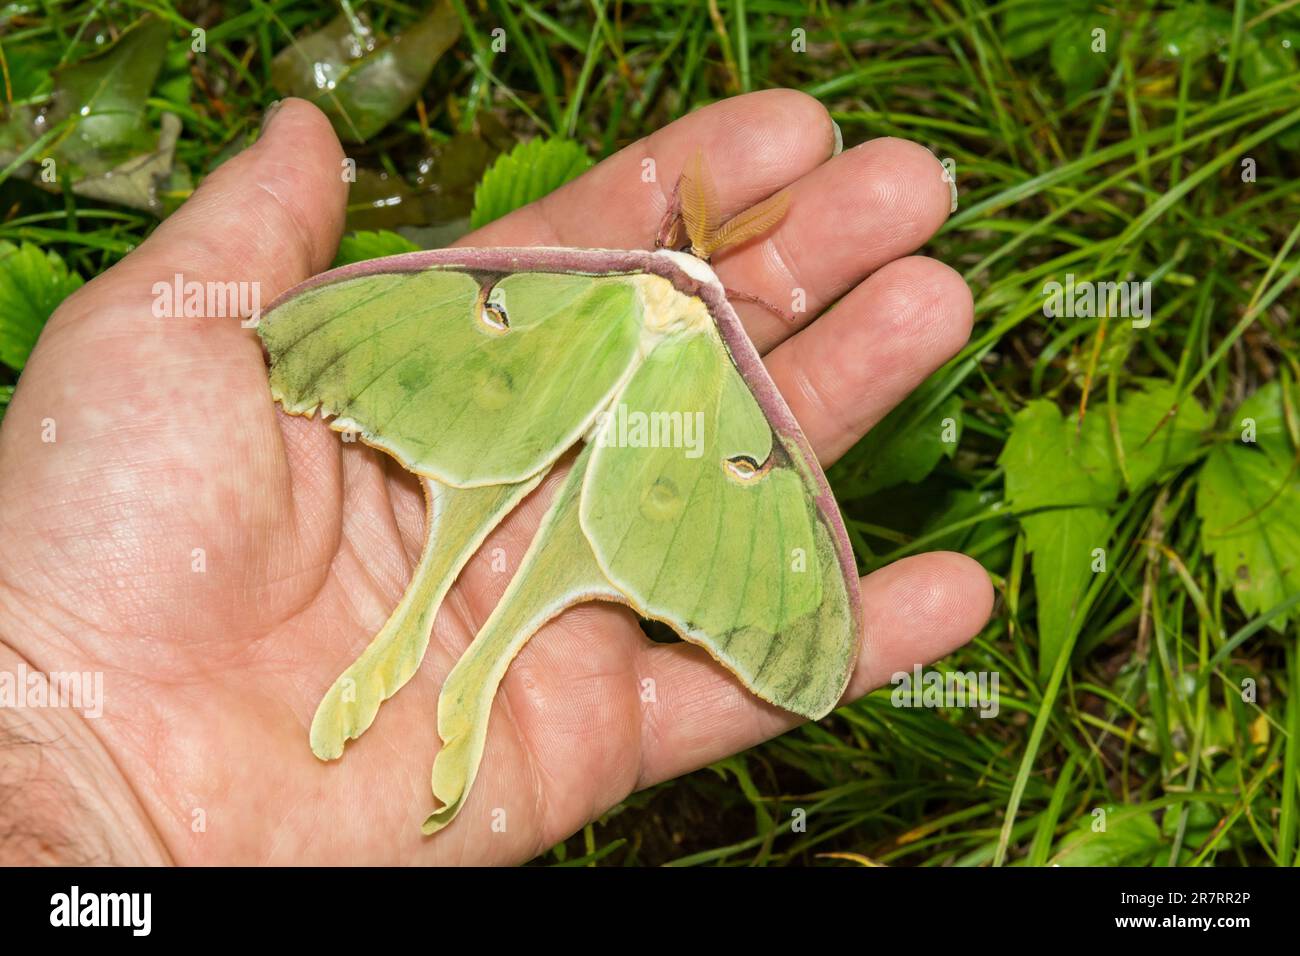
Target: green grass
(1123, 165)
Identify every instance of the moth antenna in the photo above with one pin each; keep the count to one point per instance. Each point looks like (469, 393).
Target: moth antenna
(753, 222)
(746, 297)
(699, 204)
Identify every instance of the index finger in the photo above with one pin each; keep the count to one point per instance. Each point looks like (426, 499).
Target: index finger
(756, 146)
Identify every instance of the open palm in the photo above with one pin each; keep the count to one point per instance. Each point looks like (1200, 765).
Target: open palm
(220, 563)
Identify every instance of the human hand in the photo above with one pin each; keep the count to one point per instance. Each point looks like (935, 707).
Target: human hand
(167, 441)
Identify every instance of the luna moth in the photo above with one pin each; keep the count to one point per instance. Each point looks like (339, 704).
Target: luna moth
(477, 369)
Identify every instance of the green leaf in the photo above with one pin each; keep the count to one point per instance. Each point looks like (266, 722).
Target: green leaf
(367, 244)
(1265, 58)
(96, 121)
(6, 396)
(900, 448)
(363, 83)
(1028, 28)
(176, 84)
(106, 93)
(1074, 472)
(527, 173)
(1151, 454)
(32, 284)
(987, 541)
(1248, 500)
(1062, 542)
(1050, 463)
(1073, 58)
(30, 67)
(1194, 30)
(1131, 837)
(1261, 420)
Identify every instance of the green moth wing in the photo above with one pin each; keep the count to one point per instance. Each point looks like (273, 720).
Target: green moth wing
(557, 572)
(426, 364)
(721, 541)
(458, 520)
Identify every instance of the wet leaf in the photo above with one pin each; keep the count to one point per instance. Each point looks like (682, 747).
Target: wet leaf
(136, 181)
(433, 209)
(104, 94)
(1194, 30)
(102, 141)
(360, 81)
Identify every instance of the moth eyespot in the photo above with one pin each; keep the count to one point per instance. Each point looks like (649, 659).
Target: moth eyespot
(493, 390)
(661, 501)
(492, 311)
(746, 470)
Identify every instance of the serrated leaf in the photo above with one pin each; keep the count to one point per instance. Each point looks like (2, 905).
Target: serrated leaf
(32, 284)
(363, 83)
(1248, 500)
(360, 246)
(527, 173)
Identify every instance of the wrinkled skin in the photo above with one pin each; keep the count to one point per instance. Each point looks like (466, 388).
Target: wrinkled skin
(166, 441)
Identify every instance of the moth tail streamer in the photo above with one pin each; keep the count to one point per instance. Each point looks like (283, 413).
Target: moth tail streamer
(458, 521)
(557, 572)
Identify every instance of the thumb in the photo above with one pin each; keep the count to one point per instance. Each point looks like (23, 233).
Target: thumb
(125, 381)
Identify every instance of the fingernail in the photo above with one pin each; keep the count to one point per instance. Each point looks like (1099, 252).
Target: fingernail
(268, 114)
(839, 139)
